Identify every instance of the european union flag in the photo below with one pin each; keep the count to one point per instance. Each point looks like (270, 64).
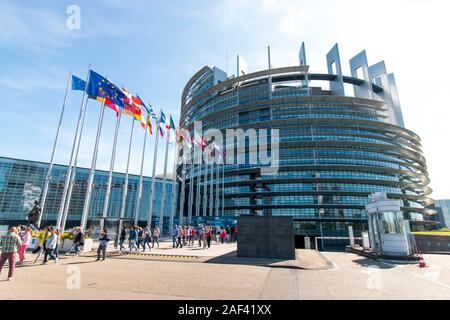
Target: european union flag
(78, 84)
(99, 86)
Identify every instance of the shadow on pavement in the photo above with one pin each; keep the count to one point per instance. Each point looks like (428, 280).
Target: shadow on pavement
(366, 262)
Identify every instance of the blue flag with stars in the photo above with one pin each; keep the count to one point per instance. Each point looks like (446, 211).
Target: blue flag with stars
(99, 86)
(78, 84)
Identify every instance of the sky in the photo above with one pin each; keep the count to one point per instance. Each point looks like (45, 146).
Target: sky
(154, 47)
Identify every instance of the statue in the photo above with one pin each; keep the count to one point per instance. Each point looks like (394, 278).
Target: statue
(35, 213)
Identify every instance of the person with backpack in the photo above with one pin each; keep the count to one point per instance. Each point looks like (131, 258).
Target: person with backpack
(78, 241)
(174, 236)
(179, 236)
(140, 239)
(50, 246)
(147, 238)
(132, 239)
(103, 245)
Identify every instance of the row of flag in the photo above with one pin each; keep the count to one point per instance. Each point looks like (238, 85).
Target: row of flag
(99, 88)
(120, 100)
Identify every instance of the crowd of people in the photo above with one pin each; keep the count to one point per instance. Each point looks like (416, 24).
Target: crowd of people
(16, 241)
(204, 234)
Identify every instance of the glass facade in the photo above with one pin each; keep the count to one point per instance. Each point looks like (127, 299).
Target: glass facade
(22, 181)
(443, 213)
(334, 152)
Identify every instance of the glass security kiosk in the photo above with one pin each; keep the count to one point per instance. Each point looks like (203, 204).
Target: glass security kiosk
(389, 232)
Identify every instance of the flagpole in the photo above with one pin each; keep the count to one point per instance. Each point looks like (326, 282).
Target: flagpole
(111, 168)
(74, 172)
(152, 188)
(217, 190)
(183, 192)
(223, 188)
(70, 168)
(141, 177)
(163, 196)
(52, 158)
(197, 194)
(90, 181)
(174, 182)
(205, 189)
(191, 186)
(125, 187)
(211, 192)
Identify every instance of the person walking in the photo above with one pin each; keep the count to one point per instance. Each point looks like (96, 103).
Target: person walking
(147, 238)
(140, 239)
(235, 233)
(223, 234)
(208, 237)
(50, 246)
(132, 239)
(78, 241)
(193, 235)
(228, 236)
(204, 235)
(174, 236)
(217, 233)
(179, 236)
(103, 245)
(200, 235)
(189, 235)
(25, 238)
(58, 238)
(156, 233)
(9, 243)
(122, 237)
(45, 236)
(184, 235)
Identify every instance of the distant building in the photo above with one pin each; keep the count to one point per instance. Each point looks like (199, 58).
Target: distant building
(22, 181)
(443, 213)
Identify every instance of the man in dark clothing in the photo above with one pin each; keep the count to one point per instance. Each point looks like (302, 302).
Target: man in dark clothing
(123, 236)
(78, 241)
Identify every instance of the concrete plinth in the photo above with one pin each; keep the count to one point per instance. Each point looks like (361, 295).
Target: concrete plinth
(266, 237)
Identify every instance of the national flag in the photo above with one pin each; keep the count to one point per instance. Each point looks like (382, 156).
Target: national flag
(149, 109)
(108, 103)
(132, 105)
(78, 84)
(185, 136)
(172, 124)
(162, 123)
(149, 124)
(171, 131)
(199, 141)
(99, 86)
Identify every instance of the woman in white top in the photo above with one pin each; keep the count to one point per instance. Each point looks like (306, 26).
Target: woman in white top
(155, 236)
(25, 237)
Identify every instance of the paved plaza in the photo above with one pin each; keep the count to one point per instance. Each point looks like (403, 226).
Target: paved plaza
(216, 273)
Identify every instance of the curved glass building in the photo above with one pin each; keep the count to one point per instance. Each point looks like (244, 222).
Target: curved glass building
(341, 138)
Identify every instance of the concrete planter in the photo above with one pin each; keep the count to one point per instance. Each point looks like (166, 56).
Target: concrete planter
(67, 243)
